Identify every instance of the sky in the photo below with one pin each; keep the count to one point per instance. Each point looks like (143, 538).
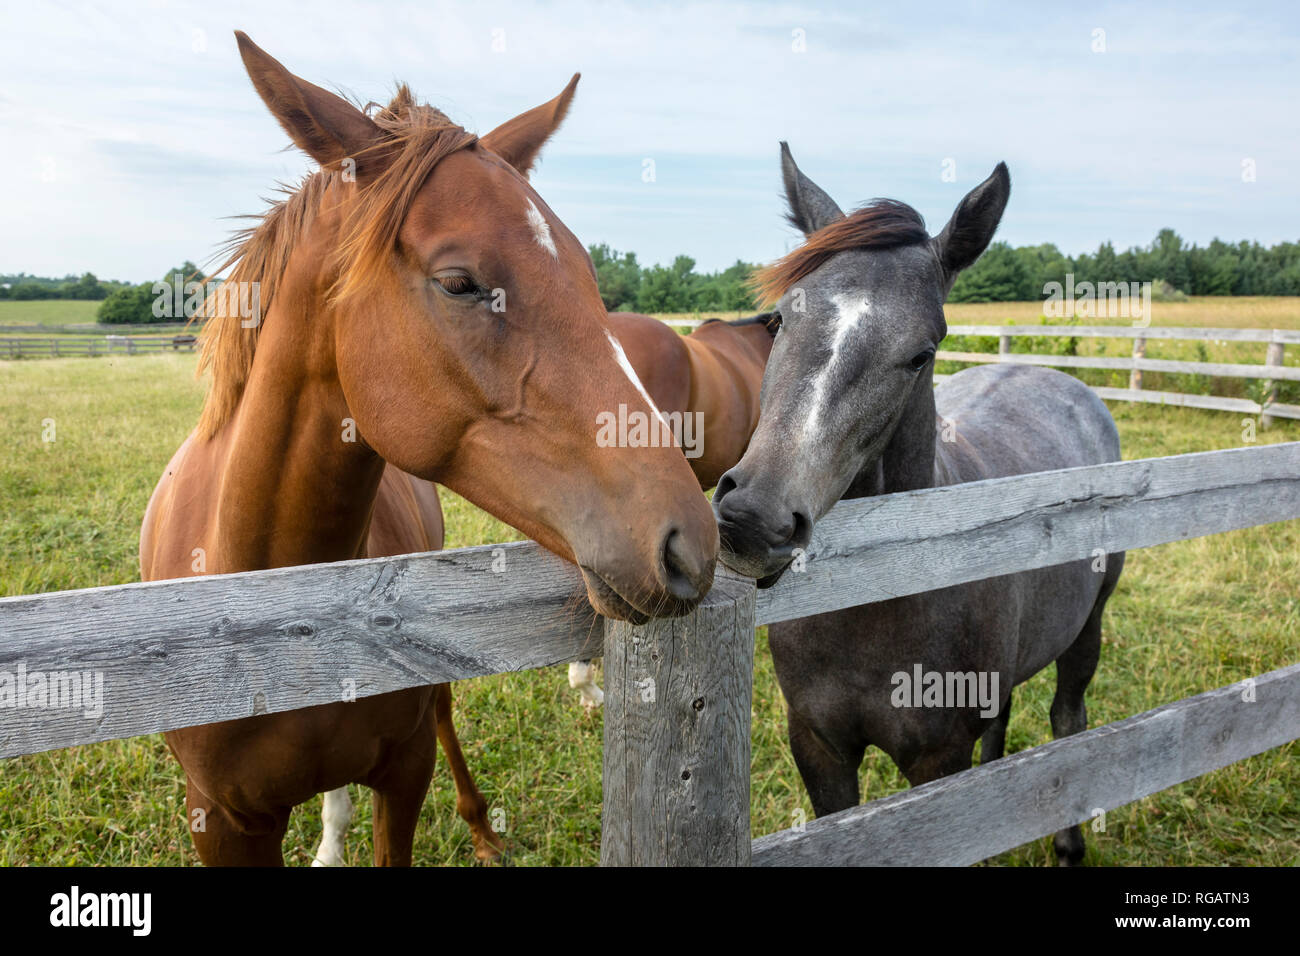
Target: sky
(130, 134)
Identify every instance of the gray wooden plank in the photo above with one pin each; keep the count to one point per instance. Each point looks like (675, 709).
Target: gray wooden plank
(1131, 332)
(198, 650)
(871, 549)
(970, 816)
(1221, 369)
(1180, 399)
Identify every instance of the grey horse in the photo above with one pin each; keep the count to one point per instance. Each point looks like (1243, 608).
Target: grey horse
(848, 409)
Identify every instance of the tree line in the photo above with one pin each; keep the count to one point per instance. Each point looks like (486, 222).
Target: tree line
(22, 287)
(1003, 274)
(1006, 274)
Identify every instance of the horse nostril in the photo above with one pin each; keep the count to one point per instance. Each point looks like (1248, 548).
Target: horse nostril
(726, 485)
(802, 529)
(676, 569)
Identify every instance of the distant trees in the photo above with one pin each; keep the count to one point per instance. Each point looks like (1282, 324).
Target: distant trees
(134, 305)
(1002, 274)
(22, 287)
(626, 286)
(1221, 268)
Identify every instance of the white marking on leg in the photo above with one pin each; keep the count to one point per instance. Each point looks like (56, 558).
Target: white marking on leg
(541, 229)
(582, 678)
(850, 310)
(336, 817)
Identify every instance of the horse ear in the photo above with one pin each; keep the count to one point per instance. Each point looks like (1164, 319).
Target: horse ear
(518, 141)
(971, 228)
(810, 207)
(325, 126)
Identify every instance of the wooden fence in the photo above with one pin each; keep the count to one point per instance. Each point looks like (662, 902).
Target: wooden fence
(678, 692)
(1272, 370)
(58, 346)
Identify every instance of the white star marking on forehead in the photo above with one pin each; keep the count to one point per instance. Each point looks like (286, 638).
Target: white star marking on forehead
(541, 230)
(849, 311)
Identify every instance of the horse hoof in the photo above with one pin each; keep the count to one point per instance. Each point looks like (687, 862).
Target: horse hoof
(1070, 857)
(490, 852)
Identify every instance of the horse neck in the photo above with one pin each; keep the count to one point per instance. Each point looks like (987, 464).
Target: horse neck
(908, 461)
(293, 488)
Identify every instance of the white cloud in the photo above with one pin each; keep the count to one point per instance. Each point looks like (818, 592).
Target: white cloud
(154, 134)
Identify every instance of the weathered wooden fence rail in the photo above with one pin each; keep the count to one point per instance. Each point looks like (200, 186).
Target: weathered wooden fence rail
(968, 817)
(676, 764)
(1273, 370)
(15, 347)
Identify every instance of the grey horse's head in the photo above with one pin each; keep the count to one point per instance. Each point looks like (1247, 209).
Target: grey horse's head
(861, 306)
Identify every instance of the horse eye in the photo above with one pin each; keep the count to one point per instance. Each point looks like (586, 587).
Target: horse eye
(919, 360)
(456, 283)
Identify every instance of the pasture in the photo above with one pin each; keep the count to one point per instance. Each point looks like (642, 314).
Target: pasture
(53, 312)
(1187, 617)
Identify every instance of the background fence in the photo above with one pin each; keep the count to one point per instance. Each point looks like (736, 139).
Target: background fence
(676, 765)
(1272, 370)
(56, 346)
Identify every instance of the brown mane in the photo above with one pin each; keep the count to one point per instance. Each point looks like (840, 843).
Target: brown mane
(880, 224)
(417, 138)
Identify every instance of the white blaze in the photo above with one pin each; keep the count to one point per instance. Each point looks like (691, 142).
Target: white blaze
(850, 310)
(541, 229)
(630, 372)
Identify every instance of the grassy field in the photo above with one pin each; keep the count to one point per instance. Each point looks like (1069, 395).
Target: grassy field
(48, 312)
(68, 317)
(1187, 617)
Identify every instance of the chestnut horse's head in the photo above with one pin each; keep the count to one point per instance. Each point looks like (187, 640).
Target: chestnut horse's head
(470, 342)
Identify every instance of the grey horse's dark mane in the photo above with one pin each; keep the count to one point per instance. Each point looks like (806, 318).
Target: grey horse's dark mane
(880, 224)
(764, 319)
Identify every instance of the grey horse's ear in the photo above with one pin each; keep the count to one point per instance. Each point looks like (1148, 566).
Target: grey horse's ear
(971, 228)
(810, 207)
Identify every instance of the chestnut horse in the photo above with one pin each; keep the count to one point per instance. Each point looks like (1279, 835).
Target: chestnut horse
(421, 309)
(709, 380)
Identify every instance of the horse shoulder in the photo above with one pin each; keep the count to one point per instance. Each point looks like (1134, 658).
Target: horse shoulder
(174, 533)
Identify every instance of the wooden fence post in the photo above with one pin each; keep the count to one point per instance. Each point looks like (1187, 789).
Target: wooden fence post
(1139, 351)
(678, 695)
(1272, 357)
(1004, 345)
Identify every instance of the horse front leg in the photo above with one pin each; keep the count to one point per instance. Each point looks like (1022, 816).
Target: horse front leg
(225, 838)
(829, 772)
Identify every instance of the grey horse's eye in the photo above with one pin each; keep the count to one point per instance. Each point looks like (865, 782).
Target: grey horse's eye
(918, 361)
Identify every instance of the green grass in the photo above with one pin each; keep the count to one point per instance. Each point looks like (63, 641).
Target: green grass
(48, 312)
(1187, 617)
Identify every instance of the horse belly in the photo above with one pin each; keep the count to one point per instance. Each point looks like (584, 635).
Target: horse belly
(1057, 603)
(284, 759)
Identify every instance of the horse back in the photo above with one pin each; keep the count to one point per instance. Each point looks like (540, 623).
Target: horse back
(1001, 420)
